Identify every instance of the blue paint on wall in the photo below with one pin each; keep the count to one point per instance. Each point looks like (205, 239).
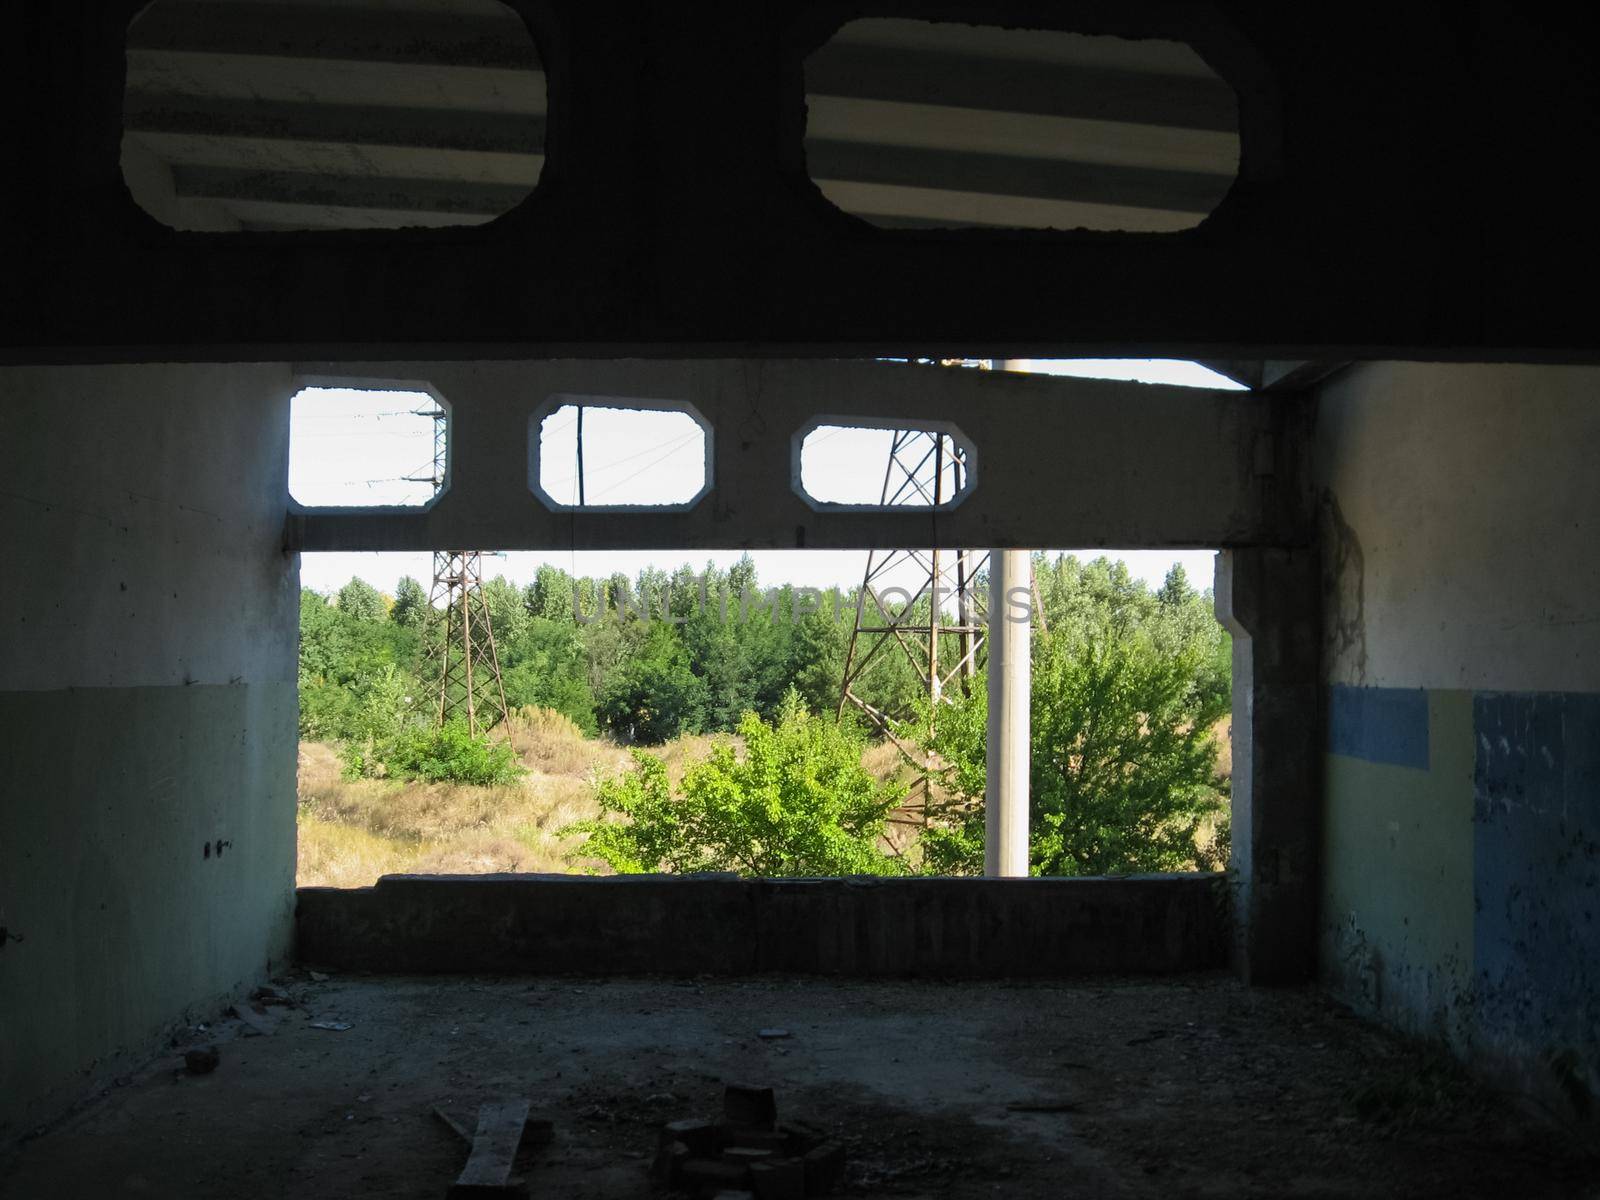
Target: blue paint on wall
(1536, 852)
(1380, 725)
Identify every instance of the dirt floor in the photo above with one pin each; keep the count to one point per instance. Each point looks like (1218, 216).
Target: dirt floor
(1114, 1088)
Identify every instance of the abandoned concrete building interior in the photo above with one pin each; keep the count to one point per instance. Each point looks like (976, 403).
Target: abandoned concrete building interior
(1377, 218)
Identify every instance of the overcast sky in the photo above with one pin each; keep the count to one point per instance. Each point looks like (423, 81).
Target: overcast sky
(357, 447)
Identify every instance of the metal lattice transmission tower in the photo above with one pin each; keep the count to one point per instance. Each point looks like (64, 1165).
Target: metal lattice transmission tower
(465, 665)
(925, 469)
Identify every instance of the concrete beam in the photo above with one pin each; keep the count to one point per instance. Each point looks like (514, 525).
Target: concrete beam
(303, 190)
(491, 37)
(1269, 600)
(334, 124)
(911, 76)
(1008, 175)
(1060, 461)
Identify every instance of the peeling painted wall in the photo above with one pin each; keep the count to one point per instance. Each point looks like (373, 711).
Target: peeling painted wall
(1461, 829)
(148, 703)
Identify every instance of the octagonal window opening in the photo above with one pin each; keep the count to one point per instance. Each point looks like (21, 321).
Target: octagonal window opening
(359, 444)
(382, 115)
(882, 464)
(928, 124)
(611, 454)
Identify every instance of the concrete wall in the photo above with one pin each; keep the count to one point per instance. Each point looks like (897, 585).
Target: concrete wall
(148, 710)
(1461, 831)
(723, 925)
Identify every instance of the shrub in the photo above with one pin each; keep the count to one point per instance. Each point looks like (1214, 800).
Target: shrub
(797, 802)
(434, 754)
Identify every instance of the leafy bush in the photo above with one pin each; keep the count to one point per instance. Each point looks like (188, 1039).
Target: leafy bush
(433, 754)
(1125, 695)
(1124, 762)
(797, 802)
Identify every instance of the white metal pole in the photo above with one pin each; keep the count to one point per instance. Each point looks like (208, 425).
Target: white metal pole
(1005, 844)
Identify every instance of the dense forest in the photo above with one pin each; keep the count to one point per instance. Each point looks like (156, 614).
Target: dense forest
(1128, 687)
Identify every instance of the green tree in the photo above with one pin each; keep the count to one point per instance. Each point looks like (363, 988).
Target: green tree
(1124, 762)
(1175, 590)
(410, 609)
(507, 615)
(546, 666)
(550, 594)
(652, 696)
(796, 802)
(1127, 688)
(816, 655)
(342, 659)
(361, 600)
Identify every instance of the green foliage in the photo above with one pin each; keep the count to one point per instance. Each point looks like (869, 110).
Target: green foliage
(952, 844)
(1127, 687)
(361, 600)
(410, 609)
(715, 646)
(549, 596)
(507, 615)
(547, 667)
(796, 802)
(434, 754)
(816, 657)
(344, 661)
(652, 696)
(1124, 767)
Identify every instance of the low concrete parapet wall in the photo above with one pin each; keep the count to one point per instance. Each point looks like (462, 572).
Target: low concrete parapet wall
(724, 925)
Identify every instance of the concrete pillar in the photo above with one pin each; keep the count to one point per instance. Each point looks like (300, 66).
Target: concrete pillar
(1010, 675)
(1269, 602)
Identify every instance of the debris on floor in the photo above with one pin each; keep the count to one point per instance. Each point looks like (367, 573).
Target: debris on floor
(256, 1021)
(930, 1090)
(747, 1153)
(494, 1151)
(202, 1060)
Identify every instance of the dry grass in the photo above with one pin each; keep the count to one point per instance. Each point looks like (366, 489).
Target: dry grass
(353, 831)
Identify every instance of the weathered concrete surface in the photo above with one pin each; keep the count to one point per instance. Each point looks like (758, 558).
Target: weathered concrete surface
(674, 206)
(721, 925)
(1461, 896)
(1267, 599)
(147, 694)
(1226, 469)
(1178, 1087)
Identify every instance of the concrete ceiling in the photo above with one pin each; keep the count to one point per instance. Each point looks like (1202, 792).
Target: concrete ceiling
(252, 114)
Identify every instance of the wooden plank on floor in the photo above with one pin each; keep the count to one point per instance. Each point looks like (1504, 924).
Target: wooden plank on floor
(494, 1150)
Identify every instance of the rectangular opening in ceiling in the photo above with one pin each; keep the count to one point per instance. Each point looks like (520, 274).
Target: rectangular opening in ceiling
(926, 124)
(257, 116)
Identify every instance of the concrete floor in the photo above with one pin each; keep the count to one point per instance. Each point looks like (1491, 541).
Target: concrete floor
(1190, 1088)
